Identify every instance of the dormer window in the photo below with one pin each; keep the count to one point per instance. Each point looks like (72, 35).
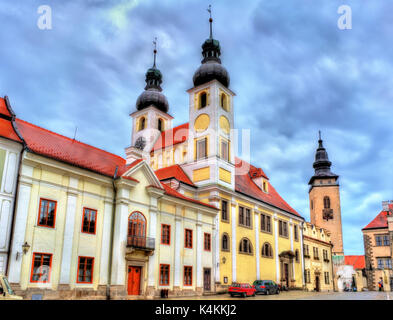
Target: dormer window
(264, 186)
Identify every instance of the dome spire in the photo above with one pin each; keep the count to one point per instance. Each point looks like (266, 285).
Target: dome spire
(152, 94)
(210, 21)
(155, 51)
(322, 164)
(211, 67)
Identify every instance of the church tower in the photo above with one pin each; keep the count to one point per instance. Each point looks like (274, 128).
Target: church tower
(151, 116)
(211, 151)
(324, 194)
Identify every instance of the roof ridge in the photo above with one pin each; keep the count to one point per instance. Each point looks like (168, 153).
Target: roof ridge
(68, 138)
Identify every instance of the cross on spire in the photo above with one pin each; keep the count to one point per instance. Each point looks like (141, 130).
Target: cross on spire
(210, 21)
(155, 51)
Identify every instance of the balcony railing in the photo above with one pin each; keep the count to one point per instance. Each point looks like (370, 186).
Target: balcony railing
(143, 243)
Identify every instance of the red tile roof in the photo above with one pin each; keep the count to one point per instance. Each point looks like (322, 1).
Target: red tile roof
(380, 221)
(358, 262)
(7, 131)
(3, 108)
(257, 172)
(171, 137)
(56, 146)
(174, 171)
(171, 192)
(245, 185)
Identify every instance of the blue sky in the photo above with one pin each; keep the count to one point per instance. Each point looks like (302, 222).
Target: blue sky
(293, 70)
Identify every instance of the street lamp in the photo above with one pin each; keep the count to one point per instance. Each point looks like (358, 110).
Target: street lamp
(25, 247)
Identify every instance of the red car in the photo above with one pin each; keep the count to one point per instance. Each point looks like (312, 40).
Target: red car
(242, 289)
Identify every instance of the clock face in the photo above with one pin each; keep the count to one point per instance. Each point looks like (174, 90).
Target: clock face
(140, 143)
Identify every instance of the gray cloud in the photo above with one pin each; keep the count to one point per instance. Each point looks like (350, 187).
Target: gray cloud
(293, 70)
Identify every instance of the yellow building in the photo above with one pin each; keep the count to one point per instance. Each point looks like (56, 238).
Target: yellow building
(258, 235)
(180, 213)
(318, 265)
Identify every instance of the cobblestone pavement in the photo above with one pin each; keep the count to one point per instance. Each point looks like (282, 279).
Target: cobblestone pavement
(302, 295)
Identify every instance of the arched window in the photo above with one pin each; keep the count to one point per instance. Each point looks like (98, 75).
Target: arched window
(160, 124)
(136, 229)
(202, 100)
(225, 242)
(142, 123)
(267, 250)
(326, 202)
(245, 246)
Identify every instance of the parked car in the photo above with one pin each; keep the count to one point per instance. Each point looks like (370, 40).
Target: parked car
(6, 293)
(266, 287)
(242, 289)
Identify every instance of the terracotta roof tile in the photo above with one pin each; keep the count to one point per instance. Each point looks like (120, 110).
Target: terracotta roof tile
(358, 262)
(245, 185)
(172, 137)
(7, 131)
(56, 146)
(3, 108)
(174, 171)
(380, 221)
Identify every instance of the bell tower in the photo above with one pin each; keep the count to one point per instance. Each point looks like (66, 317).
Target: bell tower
(324, 194)
(151, 116)
(211, 151)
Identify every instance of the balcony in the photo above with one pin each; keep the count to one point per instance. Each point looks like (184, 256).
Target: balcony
(140, 243)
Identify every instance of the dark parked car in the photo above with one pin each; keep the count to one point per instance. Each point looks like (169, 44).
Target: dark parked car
(242, 289)
(266, 287)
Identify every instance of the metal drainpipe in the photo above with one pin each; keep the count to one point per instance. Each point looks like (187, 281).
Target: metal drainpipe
(108, 294)
(331, 259)
(25, 148)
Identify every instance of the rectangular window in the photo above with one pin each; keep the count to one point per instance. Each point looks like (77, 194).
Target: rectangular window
(85, 270)
(42, 264)
(241, 215)
(164, 274)
(207, 241)
(283, 228)
(188, 276)
(388, 263)
(378, 240)
(326, 277)
(224, 210)
(295, 231)
(316, 253)
(263, 222)
(89, 221)
(386, 241)
(380, 263)
(188, 239)
(268, 223)
(47, 213)
(201, 146)
(165, 234)
(224, 150)
(248, 217)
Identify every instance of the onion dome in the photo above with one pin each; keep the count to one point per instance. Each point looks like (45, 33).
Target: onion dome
(322, 164)
(152, 95)
(211, 67)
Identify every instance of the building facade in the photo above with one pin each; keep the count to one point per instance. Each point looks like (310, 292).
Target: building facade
(318, 265)
(378, 238)
(359, 278)
(181, 212)
(10, 149)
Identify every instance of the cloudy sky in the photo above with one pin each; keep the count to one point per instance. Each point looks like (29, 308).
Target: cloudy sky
(293, 70)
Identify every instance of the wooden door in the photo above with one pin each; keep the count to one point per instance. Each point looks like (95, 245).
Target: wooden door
(317, 284)
(286, 274)
(134, 280)
(206, 279)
